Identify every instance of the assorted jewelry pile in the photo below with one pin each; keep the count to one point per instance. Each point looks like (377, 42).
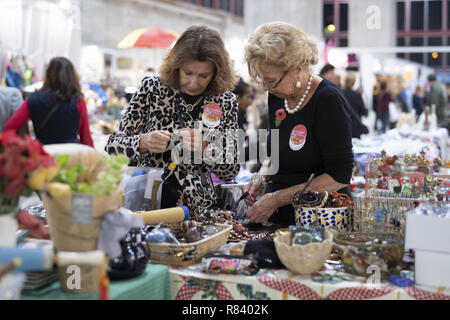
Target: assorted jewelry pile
(239, 231)
(312, 199)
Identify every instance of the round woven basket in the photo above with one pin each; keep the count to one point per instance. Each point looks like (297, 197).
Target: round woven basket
(303, 259)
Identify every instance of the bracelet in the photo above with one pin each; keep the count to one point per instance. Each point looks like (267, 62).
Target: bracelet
(259, 177)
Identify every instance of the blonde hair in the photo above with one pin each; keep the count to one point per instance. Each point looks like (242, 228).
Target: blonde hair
(280, 44)
(349, 81)
(199, 43)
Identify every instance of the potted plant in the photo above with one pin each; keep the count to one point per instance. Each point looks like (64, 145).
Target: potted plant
(24, 167)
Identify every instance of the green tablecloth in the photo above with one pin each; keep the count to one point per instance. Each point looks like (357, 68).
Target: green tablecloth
(153, 284)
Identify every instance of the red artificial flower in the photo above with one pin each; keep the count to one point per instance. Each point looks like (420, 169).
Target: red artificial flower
(14, 167)
(280, 114)
(18, 158)
(30, 165)
(34, 147)
(15, 187)
(2, 163)
(37, 153)
(10, 137)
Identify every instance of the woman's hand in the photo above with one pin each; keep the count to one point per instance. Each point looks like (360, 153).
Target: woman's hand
(253, 188)
(155, 141)
(263, 209)
(192, 139)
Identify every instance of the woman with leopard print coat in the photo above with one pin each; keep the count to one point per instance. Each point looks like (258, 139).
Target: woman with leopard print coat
(162, 125)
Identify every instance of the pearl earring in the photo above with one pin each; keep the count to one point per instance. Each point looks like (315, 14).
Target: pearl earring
(298, 84)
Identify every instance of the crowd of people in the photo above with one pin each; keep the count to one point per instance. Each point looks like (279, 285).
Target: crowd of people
(196, 94)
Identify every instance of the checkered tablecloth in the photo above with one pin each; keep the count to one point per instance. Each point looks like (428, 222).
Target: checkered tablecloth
(191, 283)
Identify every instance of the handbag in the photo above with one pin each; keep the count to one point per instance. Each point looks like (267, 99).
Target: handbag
(393, 112)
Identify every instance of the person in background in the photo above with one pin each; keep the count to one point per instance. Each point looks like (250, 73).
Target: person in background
(57, 110)
(375, 91)
(356, 103)
(10, 100)
(310, 115)
(383, 100)
(193, 88)
(244, 96)
(328, 71)
(400, 104)
(437, 95)
(417, 100)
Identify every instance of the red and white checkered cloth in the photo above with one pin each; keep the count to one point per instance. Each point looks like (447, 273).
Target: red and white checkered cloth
(186, 292)
(360, 293)
(293, 288)
(420, 294)
(223, 293)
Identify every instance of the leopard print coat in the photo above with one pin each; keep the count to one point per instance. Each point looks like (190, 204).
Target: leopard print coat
(152, 108)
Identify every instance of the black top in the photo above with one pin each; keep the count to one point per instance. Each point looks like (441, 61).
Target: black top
(171, 187)
(242, 120)
(417, 104)
(356, 102)
(327, 147)
(356, 109)
(53, 122)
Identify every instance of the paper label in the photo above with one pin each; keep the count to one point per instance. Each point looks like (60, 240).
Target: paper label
(82, 207)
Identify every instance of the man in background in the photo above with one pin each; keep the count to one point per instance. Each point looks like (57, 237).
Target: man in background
(10, 100)
(328, 71)
(437, 95)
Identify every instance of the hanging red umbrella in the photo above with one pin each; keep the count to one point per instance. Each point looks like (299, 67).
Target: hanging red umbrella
(148, 38)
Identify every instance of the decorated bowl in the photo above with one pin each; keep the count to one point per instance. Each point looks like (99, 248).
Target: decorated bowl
(341, 218)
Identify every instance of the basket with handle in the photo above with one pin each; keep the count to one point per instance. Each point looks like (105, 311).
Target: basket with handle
(184, 254)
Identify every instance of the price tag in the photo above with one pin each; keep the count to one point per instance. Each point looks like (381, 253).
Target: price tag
(82, 207)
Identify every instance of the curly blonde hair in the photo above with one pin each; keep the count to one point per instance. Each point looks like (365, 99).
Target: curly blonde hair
(280, 44)
(200, 43)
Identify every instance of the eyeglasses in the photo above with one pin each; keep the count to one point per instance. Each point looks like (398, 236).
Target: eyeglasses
(271, 84)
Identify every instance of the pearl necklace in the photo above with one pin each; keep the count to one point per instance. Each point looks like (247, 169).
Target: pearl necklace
(299, 104)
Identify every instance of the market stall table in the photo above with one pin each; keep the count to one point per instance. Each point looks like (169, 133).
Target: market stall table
(153, 284)
(190, 283)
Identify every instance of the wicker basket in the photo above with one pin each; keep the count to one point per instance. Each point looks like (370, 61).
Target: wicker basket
(188, 253)
(303, 259)
(68, 235)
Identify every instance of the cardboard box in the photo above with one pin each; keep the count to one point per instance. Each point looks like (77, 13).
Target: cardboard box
(432, 268)
(429, 236)
(427, 233)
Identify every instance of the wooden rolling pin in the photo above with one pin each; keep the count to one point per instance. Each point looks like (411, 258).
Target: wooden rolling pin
(168, 215)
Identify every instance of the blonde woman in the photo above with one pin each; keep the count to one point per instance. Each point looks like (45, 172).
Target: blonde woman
(194, 87)
(310, 114)
(358, 108)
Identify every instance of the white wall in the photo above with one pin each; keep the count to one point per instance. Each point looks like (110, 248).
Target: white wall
(39, 30)
(372, 23)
